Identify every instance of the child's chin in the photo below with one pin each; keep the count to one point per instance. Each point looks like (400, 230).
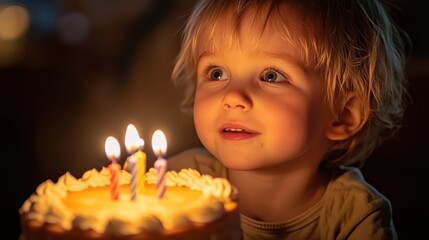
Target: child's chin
(240, 165)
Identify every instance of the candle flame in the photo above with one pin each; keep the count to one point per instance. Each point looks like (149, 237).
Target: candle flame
(112, 148)
(159, 143)
(133, 142)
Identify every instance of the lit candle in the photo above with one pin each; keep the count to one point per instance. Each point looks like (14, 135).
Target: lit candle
(134, 181)
(113, 151)
(159, 145)
(141, 170)
(137, 160)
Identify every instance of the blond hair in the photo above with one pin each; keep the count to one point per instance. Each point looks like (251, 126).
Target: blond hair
(354, 43)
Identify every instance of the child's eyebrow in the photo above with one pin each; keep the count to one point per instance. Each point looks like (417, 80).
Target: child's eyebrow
(287, 59)
(283, 58)
(205, 54)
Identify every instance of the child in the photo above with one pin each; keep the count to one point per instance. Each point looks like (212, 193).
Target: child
(289, 98)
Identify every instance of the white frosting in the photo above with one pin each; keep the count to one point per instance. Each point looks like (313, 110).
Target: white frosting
(216, 187)
(118, 227)
(86, 222)
(150, 223)
(147, 214)
(48, 188)
(95, 178)
(70, 183)
(207, 214)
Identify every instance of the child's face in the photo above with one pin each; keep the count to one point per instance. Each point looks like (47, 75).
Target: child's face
(256, 108)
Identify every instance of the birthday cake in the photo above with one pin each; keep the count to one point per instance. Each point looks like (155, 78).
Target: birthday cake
(194, 206)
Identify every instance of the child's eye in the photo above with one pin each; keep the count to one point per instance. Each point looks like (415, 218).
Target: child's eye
(271, 75)
(217, 74)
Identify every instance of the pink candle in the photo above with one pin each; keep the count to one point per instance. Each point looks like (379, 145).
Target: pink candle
(115, 169)
(113, 151)
(161, 168)
(159, 145)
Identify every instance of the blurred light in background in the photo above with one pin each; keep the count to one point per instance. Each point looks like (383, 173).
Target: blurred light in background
(14, 24)
(14, 21)
(73, 28)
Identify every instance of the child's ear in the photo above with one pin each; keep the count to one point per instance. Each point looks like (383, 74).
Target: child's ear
(350, 120)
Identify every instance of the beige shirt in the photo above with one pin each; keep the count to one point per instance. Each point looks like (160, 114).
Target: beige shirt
(350, 208)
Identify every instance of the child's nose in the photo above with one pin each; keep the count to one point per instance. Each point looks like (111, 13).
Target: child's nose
(236, 100)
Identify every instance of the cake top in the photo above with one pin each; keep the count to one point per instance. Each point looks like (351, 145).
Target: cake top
(85, 203)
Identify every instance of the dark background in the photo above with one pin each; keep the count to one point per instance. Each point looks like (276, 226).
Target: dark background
(84, 69)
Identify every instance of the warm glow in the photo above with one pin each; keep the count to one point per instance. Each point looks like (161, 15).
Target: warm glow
(14, 21)
(159, 143)
(113, 150)
(133, 142)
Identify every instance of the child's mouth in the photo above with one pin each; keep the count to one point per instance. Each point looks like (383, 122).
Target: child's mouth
(235, 130)
(230, 133)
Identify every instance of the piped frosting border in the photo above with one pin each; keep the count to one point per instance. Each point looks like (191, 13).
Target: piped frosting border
(45, 204)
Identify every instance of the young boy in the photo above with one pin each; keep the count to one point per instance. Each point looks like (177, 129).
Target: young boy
(289, 98)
